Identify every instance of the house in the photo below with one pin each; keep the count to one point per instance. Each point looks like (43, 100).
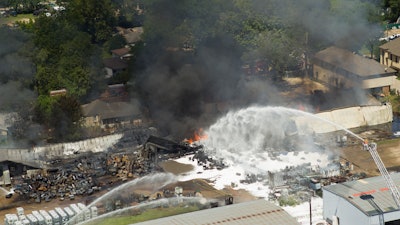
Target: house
(5, 122)
(131, 35)
(122, 53)
(110, 115)
(390, 54)
(3, 133)
(114, 65)
(115, 92)
(342, 69)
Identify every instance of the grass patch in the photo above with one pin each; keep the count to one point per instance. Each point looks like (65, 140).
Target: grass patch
(13, 19)
(149, 214)
(389, 142)
(395, 102)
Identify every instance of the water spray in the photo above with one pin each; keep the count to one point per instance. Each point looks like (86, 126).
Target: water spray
(158, 181)
(175, 201)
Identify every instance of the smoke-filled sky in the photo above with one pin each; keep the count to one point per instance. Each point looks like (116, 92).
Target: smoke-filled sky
(16, 70)
(185, 92)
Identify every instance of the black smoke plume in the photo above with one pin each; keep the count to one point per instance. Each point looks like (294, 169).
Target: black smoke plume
(188, 90)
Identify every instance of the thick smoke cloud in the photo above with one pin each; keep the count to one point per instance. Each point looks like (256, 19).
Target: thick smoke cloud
(16, 72)
(183, 97)
(16, 76)
(184, 92)
(13, 96)
(342, 22)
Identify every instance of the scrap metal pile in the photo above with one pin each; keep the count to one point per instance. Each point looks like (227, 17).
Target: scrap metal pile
(91, 172)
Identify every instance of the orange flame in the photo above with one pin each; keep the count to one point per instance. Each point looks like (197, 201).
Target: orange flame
(197, 136)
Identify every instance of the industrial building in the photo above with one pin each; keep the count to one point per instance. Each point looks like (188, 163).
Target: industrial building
(366, 201)
(252, 212)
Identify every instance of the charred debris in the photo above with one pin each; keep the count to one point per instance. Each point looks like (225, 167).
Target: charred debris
(135, 155)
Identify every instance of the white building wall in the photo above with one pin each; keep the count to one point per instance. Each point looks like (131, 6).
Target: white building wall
(378, 82)
(347, 213)
(338, 119)
(392, 216)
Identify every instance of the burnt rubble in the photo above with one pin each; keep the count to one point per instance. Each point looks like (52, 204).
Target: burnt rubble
(136, 154)
(207, 162)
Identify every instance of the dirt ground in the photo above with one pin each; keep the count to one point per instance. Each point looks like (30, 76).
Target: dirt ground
(203, 186)
(8, 205)
(388, 150)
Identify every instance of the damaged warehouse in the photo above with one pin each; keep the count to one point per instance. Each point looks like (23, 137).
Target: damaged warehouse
(87, 172)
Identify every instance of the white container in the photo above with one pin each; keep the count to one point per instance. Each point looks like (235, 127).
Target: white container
(32, 219)
(63, 215)
(39, 217)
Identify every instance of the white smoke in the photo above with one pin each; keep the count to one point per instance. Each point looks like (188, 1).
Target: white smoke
(262, 139)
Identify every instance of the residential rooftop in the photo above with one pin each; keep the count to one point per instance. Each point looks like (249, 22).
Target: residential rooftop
(392, 46)
(353, 63)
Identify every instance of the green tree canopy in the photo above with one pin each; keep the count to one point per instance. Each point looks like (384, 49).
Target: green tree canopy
(95, 17)
(67, 57)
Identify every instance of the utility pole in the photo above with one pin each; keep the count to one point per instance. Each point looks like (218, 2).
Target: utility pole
(310, 210)
(306, 63)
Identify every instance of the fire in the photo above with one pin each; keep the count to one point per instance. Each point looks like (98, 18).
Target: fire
(197, 136)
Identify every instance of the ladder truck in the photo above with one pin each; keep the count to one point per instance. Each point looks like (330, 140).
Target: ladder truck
(371, 147)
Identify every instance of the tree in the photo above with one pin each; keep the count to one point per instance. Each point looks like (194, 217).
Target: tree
(61, 115)
(64, 59)
(392, 10)
(130, 12)
(23, 6)
(67, 118)
(115, 42)
(96, 17)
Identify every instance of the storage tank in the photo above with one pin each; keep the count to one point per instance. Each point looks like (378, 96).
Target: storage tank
(85, 211)
(94, 211)
(55, 217)
(178, 191)
(10, 219)
(69, 212)
(78, 212)
(39, 217)
(20, 211)
(21, 217)
(47, 218)
(63, 215)
(25, 222)
(32, 219)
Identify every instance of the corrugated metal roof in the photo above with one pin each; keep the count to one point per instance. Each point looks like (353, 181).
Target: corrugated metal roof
(353, 63)
(375, 186)
(252, 212)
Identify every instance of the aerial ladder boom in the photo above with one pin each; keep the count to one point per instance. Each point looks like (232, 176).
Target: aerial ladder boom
(371, 147)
